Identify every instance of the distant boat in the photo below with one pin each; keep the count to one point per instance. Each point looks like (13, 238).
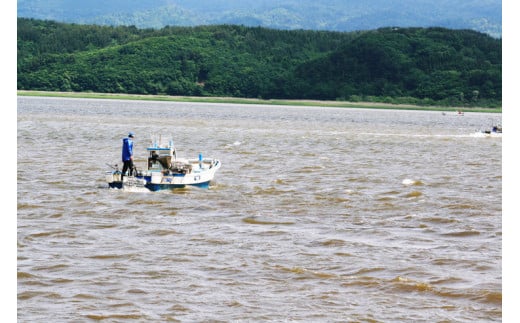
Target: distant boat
(494, 131)
(165, 171)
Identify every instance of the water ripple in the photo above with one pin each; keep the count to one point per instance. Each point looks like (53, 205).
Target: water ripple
(317, 215)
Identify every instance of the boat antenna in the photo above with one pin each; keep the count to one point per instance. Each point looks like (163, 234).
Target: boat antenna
(113, 166)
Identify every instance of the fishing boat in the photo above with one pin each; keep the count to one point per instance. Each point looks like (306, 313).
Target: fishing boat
(165, 171)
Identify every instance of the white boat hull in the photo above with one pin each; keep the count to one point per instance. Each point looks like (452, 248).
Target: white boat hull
(165, 171)
(156, 181)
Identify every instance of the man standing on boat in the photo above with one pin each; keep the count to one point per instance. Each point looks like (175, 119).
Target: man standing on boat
(128, 154)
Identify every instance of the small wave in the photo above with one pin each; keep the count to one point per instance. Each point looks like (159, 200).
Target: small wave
(56, 267)
(489, 297)
(255, 220)
(164, 232)
(106, 226)
(25, 206)
(363, 271)
(85, 296)
(58, 233)
(62, 281)
(310, 169)
(136, 189)
(109, 256)
(149, 202)
(332, 199)
(364, 281)
(462, 234)
(439, 220)
(410, 182)
(131, 189)
(234, 144)
(461, 207)
(24, 275)
(28, 295)
(31, 294)
(306, 273)
(333, 242)
(100, 317)
(178, 308)
(361, 179)
(269, 233)
(118, 305)
(413, 194)
(408, 285)
(278, 181)
(265, 190)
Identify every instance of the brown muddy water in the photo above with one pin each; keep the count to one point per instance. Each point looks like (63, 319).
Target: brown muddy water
(317, 215)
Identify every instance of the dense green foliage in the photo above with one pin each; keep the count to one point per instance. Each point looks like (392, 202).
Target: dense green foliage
(407, 65)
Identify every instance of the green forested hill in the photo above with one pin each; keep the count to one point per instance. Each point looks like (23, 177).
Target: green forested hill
(412, 65)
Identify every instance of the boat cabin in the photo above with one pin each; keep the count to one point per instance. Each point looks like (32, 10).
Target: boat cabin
(164, 160)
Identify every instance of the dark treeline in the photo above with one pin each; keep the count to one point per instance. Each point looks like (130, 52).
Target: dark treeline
(396, 65)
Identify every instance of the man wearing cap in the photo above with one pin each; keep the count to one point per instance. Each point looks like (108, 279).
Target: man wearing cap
(128, 154)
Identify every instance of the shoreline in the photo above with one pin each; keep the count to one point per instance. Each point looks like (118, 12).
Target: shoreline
(231, 100)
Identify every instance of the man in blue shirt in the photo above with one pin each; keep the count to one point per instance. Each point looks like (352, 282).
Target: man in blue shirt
(128, 154)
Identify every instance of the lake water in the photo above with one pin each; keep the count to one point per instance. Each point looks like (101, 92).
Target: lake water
(317, 215)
